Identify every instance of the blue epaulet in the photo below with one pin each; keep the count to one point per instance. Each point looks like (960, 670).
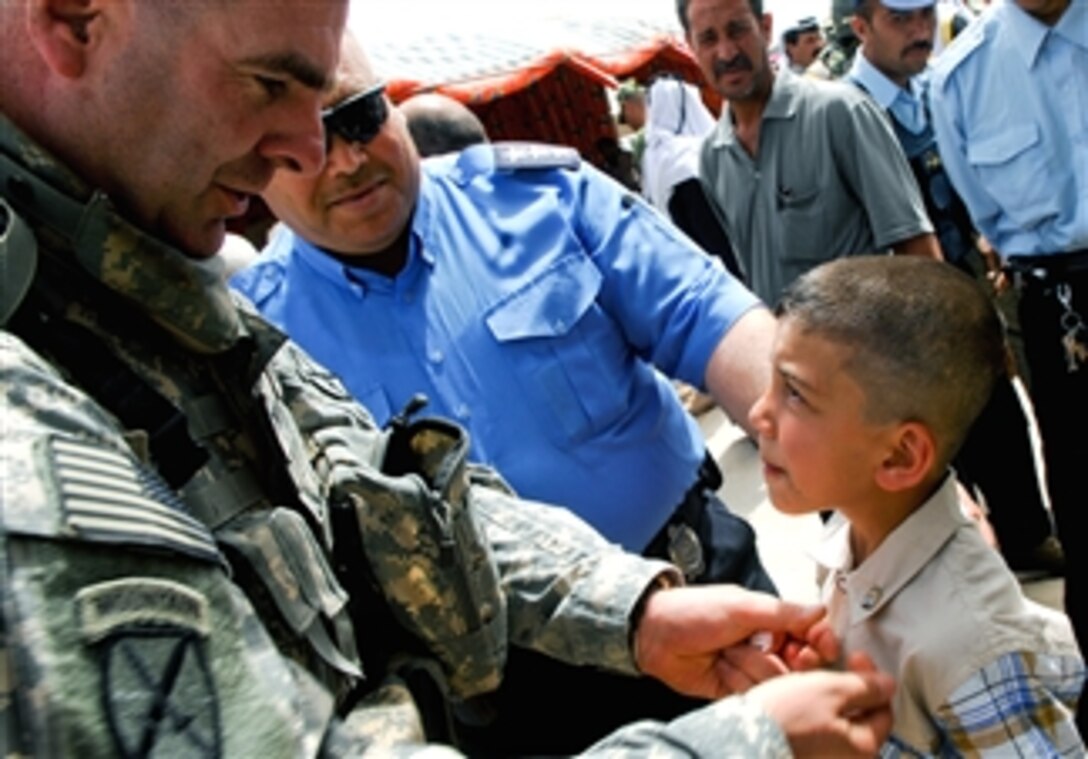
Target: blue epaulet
(512, 156)
(966, 43)
(493, 157)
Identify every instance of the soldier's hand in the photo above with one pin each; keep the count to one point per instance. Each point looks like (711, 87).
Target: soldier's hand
(698, 640)
(840, 714)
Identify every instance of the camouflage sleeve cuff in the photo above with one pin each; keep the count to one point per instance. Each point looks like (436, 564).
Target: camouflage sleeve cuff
(570, 593)
(734, 726)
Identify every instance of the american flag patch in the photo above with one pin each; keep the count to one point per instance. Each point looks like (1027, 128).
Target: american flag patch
(108, 497)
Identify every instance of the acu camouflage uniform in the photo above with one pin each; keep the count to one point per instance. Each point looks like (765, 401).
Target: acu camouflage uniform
(207, 549)
(836, 57)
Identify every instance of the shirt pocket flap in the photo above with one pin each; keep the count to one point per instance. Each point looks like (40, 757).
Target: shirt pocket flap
(1000, 148)
(550, 304)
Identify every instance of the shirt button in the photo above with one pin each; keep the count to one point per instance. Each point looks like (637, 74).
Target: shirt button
(462, 411)
(560, 325)
(872, 598)
(436, 356)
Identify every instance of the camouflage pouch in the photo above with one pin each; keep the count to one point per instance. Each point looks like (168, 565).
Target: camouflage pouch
(427, 552)
(281, 549)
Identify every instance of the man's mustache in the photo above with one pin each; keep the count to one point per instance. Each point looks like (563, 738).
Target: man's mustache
(925, 45)
(739, 62)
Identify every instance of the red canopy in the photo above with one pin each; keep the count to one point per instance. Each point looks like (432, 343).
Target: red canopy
(526, 89)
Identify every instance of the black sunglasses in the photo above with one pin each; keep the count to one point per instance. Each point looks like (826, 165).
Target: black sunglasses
(358, 118)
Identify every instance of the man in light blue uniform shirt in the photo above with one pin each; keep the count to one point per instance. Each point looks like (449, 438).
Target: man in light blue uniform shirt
(542, 305)
(1010, 108)
(897, 38)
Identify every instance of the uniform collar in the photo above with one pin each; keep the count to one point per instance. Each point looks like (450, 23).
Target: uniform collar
(898, 559)
(882, 89)
(188, 299)
(1073, 25)
(782, 104)
(1028, 34)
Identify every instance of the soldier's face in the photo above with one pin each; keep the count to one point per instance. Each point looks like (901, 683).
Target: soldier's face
(898, 43)
(361, 200)
(203, 116)
(730, 43)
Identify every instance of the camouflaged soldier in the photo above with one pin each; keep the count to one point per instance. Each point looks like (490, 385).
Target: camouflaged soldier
(206, 549)
(837, 55)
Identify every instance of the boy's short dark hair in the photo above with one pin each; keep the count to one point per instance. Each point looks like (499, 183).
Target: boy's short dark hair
(927, 344)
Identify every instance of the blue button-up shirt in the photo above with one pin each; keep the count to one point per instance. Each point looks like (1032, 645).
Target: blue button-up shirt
(541, 308)
(1010, 108)
(905, 104)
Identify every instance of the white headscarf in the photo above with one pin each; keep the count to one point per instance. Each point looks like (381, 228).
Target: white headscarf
(676, 123)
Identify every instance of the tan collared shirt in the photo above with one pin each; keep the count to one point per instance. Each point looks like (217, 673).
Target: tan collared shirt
(937, 606)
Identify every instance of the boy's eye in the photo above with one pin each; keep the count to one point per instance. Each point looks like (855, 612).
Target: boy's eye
(792, 393)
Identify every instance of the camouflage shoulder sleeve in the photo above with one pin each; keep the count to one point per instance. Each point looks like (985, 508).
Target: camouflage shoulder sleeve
(122, 633)
(733, 727)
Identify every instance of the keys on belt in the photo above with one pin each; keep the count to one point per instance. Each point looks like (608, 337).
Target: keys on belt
(1076, 352)
(1053, 272)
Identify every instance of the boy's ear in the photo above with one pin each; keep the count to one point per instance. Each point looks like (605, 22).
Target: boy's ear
(910, 458)
(65, 32)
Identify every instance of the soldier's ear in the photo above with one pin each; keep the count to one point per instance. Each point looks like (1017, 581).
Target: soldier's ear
(67, 32)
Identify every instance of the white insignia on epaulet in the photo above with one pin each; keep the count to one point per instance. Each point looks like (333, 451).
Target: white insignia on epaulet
(107, 497)
(534, 155)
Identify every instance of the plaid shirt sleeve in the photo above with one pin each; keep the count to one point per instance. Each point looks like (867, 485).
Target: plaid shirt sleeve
(1021, 704)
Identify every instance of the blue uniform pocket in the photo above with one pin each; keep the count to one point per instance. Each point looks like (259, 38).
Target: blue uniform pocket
(565, 349)
(1014, 165)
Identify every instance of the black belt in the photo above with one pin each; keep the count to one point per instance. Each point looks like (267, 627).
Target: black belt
(1048, 267)
(709, 477)
(679, 541)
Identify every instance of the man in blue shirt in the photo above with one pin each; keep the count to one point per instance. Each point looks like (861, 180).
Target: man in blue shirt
(541, 305)
(897, 37)
(1010, 108)
(533, 300)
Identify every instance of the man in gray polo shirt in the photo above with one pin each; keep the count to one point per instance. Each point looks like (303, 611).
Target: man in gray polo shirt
(799, 171)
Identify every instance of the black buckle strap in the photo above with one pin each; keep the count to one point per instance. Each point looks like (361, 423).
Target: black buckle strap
(709, 477)
(1047, 268)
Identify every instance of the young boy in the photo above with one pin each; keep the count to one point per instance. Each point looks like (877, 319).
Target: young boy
(881, 363)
